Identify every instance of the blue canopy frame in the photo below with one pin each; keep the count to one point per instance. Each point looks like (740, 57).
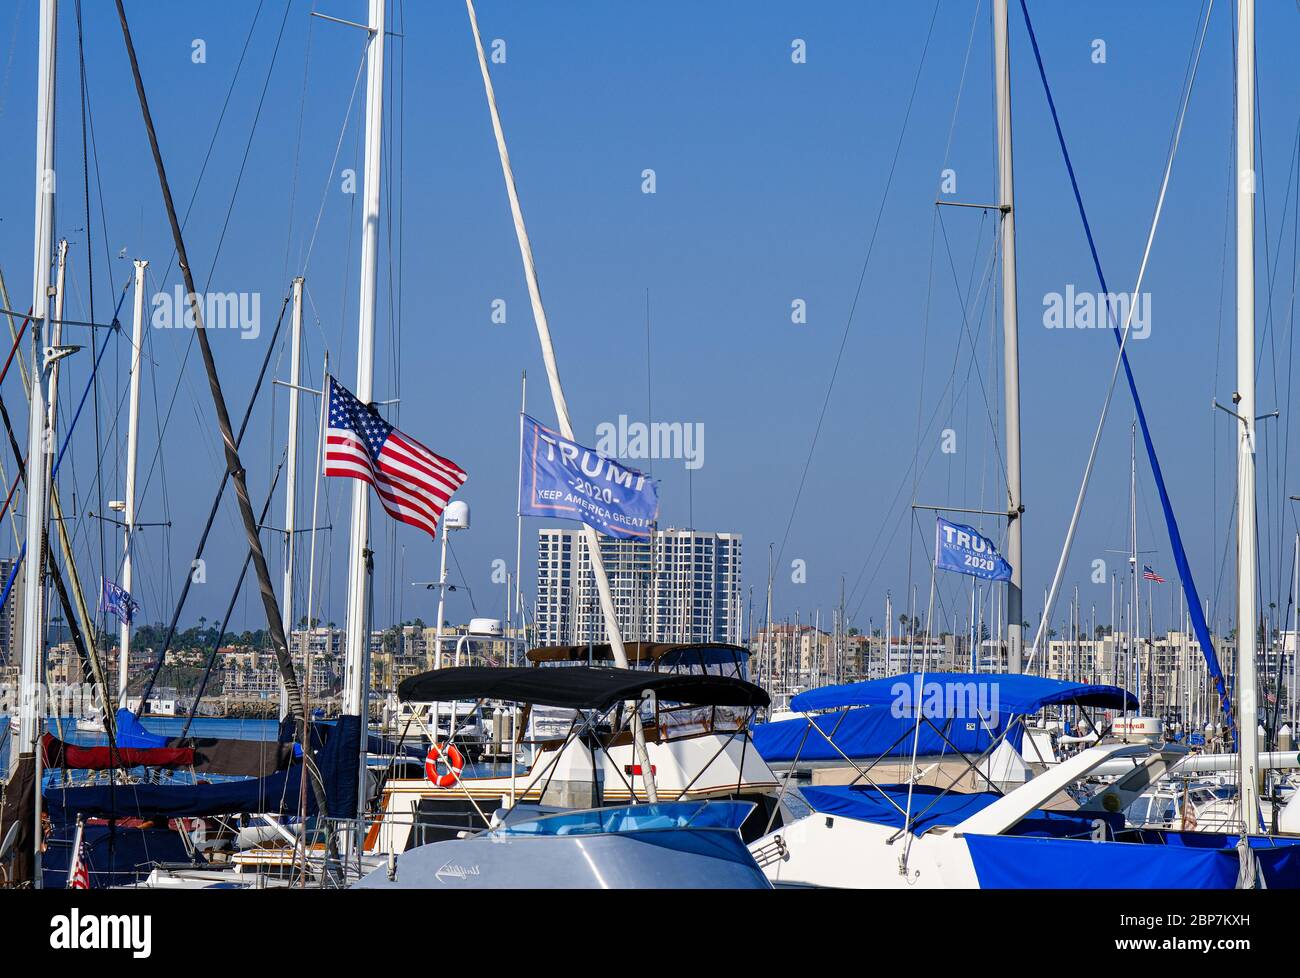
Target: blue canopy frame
(1001, 694)
(959, 712)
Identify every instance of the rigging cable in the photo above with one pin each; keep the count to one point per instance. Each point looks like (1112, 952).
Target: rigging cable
(871, 244)
(1180, 555)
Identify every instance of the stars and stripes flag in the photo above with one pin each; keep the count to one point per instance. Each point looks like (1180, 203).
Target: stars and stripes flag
(413, 483)
(79, 871)
(1149, 575)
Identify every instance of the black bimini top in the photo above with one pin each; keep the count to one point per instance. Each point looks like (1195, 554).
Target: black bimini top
(667, 654)
(577, 687)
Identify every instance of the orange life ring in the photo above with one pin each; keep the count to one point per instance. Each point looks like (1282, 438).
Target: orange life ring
(455, 764)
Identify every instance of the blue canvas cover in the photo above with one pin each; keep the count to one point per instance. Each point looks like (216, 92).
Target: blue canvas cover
(1167, 860)
(132, 733)
(960, 693)
(115, 856)
(872, 732)
(866, 804)
(932, 807)
(279, 793)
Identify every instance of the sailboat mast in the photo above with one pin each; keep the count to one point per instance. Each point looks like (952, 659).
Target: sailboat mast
(37, 485)
(356, 685)
(590, 535)
(1135, 597)
(1248, 709)
(1010, 335)
(517, 615)
(769, 657)
(132, 453)
(291, 480)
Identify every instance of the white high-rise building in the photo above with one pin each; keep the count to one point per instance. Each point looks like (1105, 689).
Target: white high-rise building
(683, 587)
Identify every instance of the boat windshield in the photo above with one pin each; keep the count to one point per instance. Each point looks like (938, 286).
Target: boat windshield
(635, 818)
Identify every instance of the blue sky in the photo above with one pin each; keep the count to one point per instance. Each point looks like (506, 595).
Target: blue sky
(769, 176)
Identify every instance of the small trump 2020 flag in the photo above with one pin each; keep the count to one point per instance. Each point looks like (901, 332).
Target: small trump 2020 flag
(117, 600)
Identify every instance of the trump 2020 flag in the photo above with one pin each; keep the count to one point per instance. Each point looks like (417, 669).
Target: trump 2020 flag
(560, 478)
(961, 548)
(117, 600)
(413, 483)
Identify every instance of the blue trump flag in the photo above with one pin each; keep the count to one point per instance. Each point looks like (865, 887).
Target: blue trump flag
(117, 600)
(560, 478)
(960, 548)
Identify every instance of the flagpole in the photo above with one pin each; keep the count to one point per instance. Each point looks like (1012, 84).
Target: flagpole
(74, 865)
(557, 395)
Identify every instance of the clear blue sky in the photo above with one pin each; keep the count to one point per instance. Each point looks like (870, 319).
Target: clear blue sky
(769, 178)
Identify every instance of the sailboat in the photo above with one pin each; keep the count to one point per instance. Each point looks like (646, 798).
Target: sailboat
(1063, 825)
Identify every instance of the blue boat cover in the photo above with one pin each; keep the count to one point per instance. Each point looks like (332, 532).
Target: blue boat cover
(948, 694)
(279, 793)
(1181, 860)
(872, 733)
(931, 807)
(114, 855)
(132, 733)
(866, 804)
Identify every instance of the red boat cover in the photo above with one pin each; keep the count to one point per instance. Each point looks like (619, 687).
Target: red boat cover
(57, 753)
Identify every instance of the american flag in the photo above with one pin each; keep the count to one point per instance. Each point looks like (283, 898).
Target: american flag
(1149, 575)
(79, 871)
(413, 483)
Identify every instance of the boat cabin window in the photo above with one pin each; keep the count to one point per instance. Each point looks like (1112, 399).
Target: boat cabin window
(1136, 814)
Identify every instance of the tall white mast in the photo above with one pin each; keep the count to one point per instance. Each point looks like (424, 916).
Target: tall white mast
(1248, 709)
(356, 681)
(1295, 633)
(37, 485)
(557, 395)
(1135, 615)
(291, 483)
(769, 656)
(132, 453)
(1010, 334)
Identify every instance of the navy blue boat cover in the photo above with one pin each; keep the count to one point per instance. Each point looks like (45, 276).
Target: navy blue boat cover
(1165, 860)
(931, 807)
(338, 759)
